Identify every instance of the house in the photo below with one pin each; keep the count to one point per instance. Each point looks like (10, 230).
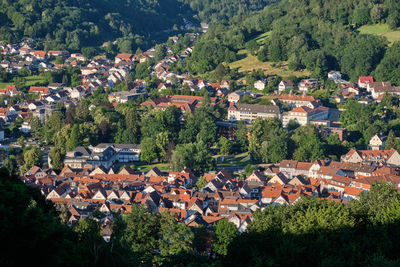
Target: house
(377, 142)
(10, 90)
(279, 178)
(249, 112)
(78, 56)
(237, 96)
(125, 96)
(36, 105)
(125, 152)
(334, 75)
(304, 115)
(260, 84)
(295, 101)
(82, 157)
(184, 102)
(104, 155)
(363, 81)
(77, 92)
(376, 157)
(40, 55)
(39, 90)
(308, 84)
(378, 89)
(58, 53)
(123, 57)
(288, 168)
(26, 127)
(284, 85)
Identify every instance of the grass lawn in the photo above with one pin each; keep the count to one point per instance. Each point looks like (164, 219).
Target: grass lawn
(30, 80)
(381, 30)
(143, 166)
(3, 85)
(232, 161)
(249, 62)
(262, 38)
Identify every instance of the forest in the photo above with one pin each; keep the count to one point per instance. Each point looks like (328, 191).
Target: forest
(311, 232)
(73, 24)
(315, 35)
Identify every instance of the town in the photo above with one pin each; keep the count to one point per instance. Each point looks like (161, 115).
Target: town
(102, 177)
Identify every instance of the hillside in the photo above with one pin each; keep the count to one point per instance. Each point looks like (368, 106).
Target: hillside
(315, 35)
(224, 10)
(381, 30)
(72, 24)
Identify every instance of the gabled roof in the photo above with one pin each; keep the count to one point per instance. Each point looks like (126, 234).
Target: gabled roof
(364, 79)
(302, 109)
(293, 97)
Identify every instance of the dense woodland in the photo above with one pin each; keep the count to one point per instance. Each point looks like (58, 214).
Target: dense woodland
(74, 24)
(311, 232)
(316, 35)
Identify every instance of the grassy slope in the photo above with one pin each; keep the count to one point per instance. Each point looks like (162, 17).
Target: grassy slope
(381, 30)
(248, 62)
(142, 166)
(239, 160)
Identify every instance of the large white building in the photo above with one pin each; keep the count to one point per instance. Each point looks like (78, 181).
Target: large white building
(249, 112)
(303, 115)
(295, 101)
(102, 155)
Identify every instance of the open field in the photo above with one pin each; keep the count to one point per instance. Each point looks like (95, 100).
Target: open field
(142, 166)
(249, 62)
(381, 30)
(3, 85)
(30, 80)
(240, 160)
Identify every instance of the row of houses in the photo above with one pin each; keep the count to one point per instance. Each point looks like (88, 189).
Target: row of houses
(89, 187)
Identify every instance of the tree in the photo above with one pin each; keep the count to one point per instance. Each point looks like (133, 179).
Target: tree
(162, 142)
(149, 150)
(249, 169)
(201, 182)
(59, 60)
(32, 157)
(57, 158)
(388, 68)
(373, 204)
(160, 51)
(220, 72)
(89, 52)
(225, 233)
(225, 146)
(138, 232)
(241, 136)
(25, 212)
(195, 156)
(277, 149)
(90, 240)
(252, 46)
(263, 54)
(75, 138)
(176, 238)
(391, 140)
(362, 55)
(361, 16)
(10, 163)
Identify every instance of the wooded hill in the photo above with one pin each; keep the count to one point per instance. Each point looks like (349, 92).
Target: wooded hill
(316, 35)
(72, 24)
